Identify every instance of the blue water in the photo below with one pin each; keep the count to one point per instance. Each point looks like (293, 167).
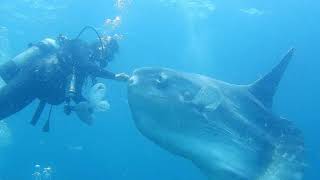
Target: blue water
(235, 41)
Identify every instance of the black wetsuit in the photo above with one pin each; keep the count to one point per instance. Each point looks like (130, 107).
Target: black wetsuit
(46, 79)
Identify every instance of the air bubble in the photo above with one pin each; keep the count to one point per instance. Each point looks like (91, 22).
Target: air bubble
(42, 173)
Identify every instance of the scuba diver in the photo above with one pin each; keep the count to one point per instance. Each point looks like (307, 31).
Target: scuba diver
(55, 72)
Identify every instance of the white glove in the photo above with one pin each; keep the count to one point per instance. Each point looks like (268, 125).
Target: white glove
(97, 97)
(96, 102)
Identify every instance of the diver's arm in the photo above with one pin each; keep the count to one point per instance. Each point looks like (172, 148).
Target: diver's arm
(102, 73)
(109, 75)
(97, 71)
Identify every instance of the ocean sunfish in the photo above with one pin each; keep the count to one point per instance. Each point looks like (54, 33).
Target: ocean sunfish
(228, 131)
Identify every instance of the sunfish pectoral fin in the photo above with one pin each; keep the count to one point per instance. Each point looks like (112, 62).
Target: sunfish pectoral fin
(265, 88)
(207, 99)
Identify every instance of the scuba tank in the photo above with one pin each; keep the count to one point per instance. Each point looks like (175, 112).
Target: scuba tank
(9, 69)
(30, 56)
(44, 47)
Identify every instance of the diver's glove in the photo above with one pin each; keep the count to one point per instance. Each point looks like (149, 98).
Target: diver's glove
(97, 98)
(96, 103)
(122, 77)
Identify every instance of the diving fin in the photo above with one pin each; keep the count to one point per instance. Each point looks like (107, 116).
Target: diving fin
(46, 127)
(38, 113)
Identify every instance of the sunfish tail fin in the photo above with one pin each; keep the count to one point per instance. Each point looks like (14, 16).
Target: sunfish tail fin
(288, 155)
(265, 88)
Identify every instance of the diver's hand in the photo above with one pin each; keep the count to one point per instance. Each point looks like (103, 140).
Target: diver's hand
(122, 77)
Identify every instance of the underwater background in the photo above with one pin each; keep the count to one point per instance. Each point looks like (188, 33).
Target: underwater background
(233, 40)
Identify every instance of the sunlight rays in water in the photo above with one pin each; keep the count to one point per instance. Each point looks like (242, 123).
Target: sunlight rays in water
(193, 8)
(196, 13)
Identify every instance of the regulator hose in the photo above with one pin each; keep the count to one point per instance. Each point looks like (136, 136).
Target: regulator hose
(96, 32)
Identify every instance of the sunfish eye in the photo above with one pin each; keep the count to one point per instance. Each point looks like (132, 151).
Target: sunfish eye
(162, 81)
(187, 96)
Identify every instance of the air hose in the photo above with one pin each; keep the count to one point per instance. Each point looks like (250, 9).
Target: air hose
(97, 33)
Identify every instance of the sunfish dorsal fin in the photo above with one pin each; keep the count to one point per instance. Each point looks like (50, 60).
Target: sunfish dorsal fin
(265, 88)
